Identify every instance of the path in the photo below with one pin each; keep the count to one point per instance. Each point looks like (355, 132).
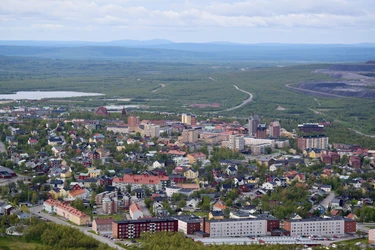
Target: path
(250, 99)
(37, 211)
(327, 200)
(317, 101)
(313, 91)
(161, 86)
(2, 148)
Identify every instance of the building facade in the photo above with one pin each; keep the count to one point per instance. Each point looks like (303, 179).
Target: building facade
(133, 228)
(320, 226)
(137, 181)
(317, 141)
(235, 227)
(253, 125)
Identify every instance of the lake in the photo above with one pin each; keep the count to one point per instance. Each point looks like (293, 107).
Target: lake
(37, 95)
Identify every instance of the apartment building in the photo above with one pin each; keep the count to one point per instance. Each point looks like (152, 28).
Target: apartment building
(70, 213)
(320, 226)
(128, 229)
(188, 224)
(136, 181)
(316, 141)
(235, 227)
(188, 119)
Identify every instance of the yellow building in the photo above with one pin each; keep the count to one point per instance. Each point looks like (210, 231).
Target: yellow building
(93, 172)
(191, 174)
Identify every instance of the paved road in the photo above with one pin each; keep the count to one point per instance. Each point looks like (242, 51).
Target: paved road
(145, 211)
(244, 102)
(327, 200)
(2, 148)
(4, 182)
(37, 211)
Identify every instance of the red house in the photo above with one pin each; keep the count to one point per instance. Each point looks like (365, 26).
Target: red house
(355, 161)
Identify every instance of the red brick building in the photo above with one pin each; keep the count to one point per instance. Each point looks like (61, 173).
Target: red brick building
(128, 229)
(355, 161)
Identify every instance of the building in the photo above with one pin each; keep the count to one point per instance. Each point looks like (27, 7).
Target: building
(118, 129)
(189, 135)
(355, 161)
(137, 181)
(235, 143)
(274, 129)
(129, 229)
(133, 121)
(328, 226)
(235, 227)
(110, 205)
(311, 127)
(101, 226)
(188, 224)
(316, 141)
(151, 130)
(371, 236)
(70, 213)
(188, 119)
(261, 131)
(135, 211)
(253, 125)
(191, 174)
(195, 157)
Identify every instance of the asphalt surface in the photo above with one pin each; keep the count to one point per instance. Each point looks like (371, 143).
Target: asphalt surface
(37, 211)
(327, 200)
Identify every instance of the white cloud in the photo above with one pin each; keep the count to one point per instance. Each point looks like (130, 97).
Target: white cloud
(188, 14)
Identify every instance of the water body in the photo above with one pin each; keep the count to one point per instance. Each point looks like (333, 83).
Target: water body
(38, 95)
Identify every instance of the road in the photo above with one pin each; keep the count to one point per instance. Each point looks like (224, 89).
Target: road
(4, 182)
(37, 211)
(2, 148)
(244, 102)
(327, 200)
(144, 209)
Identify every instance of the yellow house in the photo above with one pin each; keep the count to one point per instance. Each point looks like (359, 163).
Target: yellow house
(191, 174)
(66, 173)
(216, 215)
(253, 180)
(93, 172)
(312, 153)
(59, 192)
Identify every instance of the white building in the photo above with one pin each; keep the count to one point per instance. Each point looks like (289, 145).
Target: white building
(135, 212)
(171, 190)
(118, 129)
(235, 227)
(318, 226)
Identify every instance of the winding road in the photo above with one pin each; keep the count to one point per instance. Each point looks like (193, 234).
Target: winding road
(250, 99)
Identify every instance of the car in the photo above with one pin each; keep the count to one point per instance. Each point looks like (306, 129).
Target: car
(133, 241)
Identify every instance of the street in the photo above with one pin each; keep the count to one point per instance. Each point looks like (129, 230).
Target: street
(327, 200)
(2, 147)
(37, 211)
(144, 209)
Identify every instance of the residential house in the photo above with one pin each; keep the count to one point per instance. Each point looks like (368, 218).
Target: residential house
(191, 174)
(102, 226)
(158, 164)
(196, 157)
(355, 161)
(135, 211)
(231, 170)
(216, 215)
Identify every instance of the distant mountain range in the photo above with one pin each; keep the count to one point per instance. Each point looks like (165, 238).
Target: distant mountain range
(165, 50)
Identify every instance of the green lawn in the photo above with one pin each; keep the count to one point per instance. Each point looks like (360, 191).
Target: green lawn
(13, 242)
(114, 216)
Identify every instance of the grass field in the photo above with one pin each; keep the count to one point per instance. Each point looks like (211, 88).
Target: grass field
(188, 83)
(16, 243)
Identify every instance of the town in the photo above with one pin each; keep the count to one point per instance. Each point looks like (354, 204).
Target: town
(214, 181)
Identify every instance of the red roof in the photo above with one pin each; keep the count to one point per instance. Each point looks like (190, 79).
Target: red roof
(134, 208)
(141, 179)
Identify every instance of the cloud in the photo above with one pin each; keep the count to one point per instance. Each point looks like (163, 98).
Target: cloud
(48, 26)
(188, 14)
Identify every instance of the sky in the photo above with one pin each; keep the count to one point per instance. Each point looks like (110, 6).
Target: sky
(245, 21)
